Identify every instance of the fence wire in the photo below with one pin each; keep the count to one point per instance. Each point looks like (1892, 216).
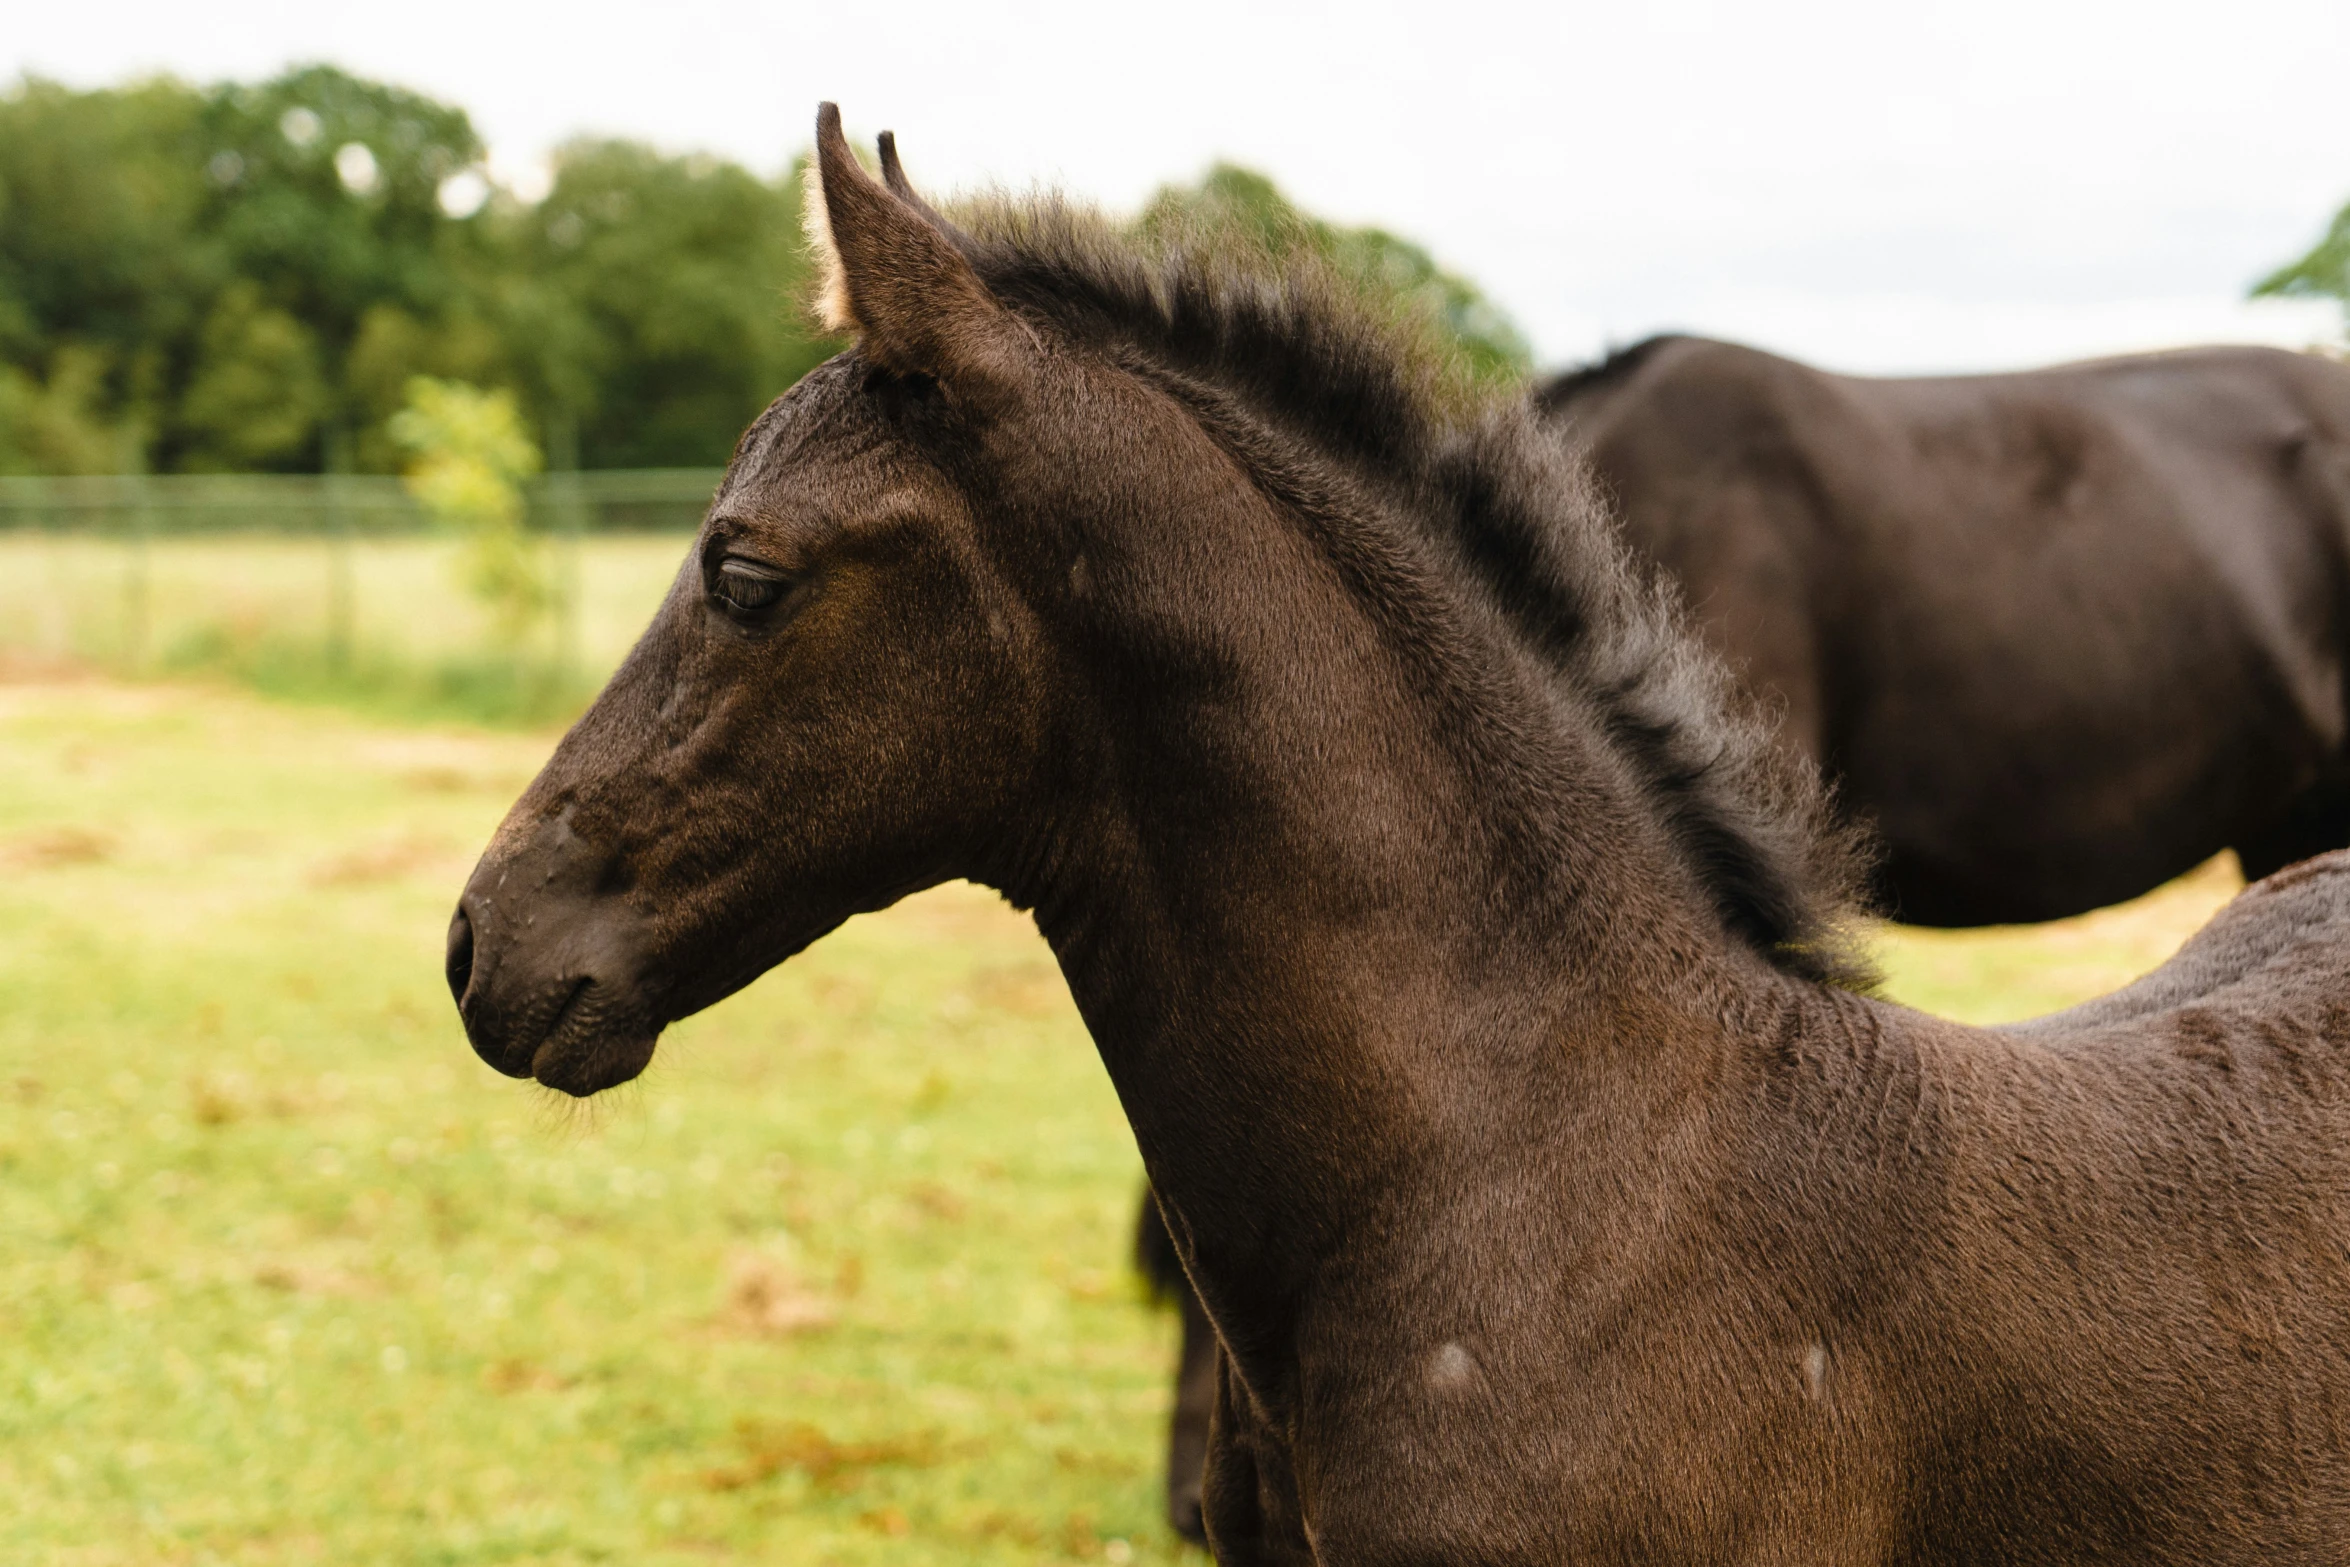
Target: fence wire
(126, 505)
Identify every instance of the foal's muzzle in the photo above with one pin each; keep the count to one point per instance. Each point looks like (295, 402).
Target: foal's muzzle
(547, 970)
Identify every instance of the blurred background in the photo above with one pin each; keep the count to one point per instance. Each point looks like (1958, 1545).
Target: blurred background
(362, 377)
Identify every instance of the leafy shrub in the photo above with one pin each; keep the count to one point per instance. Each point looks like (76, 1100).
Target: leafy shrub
(471, 457)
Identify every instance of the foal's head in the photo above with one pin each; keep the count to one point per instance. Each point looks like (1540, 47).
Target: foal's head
(885, 664)
(844, 697)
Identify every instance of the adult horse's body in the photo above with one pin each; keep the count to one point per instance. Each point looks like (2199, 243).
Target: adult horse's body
(1462, 963)
(2060, 635)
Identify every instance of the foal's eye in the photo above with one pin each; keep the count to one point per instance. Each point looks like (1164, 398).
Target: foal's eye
(745, 589)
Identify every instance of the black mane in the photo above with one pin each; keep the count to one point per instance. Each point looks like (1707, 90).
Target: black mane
(1301, 352)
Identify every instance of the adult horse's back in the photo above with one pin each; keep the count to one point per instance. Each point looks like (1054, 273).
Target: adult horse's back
(2061, 635)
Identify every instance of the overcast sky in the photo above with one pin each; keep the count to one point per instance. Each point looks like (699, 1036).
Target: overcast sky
(1877, 187)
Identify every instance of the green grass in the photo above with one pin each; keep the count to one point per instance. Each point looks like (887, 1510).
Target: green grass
(290, 1277)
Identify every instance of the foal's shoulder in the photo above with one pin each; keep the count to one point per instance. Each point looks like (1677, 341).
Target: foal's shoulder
(2283, 945)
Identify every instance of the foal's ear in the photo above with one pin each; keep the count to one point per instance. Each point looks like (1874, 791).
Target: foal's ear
(892, 273)
(893, 174)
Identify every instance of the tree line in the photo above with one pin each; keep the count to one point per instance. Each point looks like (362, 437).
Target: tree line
(2324, 273)
(255, 277)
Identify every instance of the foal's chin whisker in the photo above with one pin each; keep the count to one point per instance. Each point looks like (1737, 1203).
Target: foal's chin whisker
(574, 1121)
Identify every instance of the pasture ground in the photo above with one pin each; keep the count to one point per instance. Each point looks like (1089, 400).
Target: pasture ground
(291, 1278)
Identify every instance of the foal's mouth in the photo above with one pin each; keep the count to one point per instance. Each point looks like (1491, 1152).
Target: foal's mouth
(590, 1045)
(549, 1049)
(592, 1039)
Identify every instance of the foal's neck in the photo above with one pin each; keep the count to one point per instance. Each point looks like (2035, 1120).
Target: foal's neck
(1347, 938)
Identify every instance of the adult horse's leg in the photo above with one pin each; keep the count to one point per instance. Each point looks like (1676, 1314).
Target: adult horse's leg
(1195, 1373)
(2317, 821)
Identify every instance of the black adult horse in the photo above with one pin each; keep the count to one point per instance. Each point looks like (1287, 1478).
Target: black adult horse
(2059, 635)
(1465, 965)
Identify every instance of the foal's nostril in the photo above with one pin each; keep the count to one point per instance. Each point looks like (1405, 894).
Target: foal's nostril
(460, 964)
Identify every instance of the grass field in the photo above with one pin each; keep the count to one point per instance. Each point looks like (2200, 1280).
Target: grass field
(291, 1278)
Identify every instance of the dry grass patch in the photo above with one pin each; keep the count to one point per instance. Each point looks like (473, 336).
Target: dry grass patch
(765, 1294)
(47, 848)
(802, 1447)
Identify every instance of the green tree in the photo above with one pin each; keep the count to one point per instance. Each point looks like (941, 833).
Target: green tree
(394, 346)
(254, 277)
(62, 426)
(655, 300)
(258, 393)
(219, 255)
(1240, 207)
(325, 202)
(104, 275)
(2324, 273)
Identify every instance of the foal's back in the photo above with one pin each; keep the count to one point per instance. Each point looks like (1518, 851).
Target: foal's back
(2138, 1334)
(2277, 949)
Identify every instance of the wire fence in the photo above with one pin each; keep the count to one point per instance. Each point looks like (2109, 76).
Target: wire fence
(326, 579)
(131, 505)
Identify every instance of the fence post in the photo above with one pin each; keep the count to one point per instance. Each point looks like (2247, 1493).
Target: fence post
(564, 491)
(341, 588)
(134, 576)
(63, 632)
